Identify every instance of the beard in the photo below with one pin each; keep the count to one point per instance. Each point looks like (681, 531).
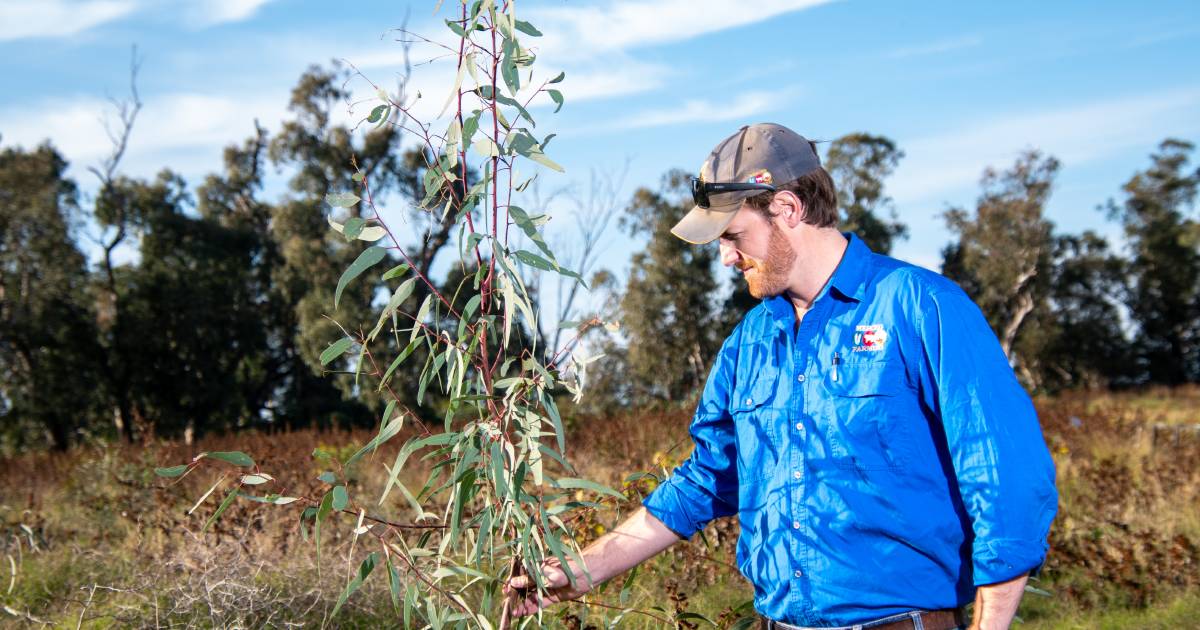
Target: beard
(769, 277)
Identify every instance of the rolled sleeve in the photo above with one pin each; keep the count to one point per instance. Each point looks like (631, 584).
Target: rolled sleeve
(705, 486)
(1003, 469)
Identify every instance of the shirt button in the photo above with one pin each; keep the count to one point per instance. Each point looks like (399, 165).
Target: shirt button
(798, 573)
(797, 474)
(800, 427)
(749, 401)
(795, 524)
(800, 378)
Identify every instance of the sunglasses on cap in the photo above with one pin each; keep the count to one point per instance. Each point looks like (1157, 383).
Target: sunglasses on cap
(702, 189)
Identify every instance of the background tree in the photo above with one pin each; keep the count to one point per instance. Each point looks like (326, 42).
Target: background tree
(232, 199)
(1165, 264)
(1005, 249)
(668, 313)
(118, 220)
(1089, 348)
(50, 362)
(317, 152)
(859, 163)
(193, 286)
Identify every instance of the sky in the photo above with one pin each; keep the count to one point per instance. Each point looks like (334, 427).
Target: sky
(651, 85)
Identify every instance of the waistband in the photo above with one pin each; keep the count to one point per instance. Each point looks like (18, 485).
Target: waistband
(948, 619)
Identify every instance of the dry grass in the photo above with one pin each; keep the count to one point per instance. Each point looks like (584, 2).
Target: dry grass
(94, 539)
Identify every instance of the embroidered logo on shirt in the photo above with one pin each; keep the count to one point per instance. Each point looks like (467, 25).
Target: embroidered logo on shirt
(870, 338)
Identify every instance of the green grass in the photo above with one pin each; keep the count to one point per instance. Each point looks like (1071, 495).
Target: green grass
(115, 548)
(1172, 613)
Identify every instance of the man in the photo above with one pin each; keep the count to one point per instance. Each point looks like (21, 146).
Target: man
(862, 422)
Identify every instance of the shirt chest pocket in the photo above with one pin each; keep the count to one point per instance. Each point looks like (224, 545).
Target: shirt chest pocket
(758, 408)
(865, 428)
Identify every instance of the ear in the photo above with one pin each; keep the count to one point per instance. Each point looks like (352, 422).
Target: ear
(788, 208)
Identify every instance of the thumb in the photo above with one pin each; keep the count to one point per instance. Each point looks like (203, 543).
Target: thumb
(519, 582)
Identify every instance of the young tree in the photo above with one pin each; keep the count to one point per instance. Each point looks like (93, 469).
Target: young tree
(859, 163)
(1165, 266)
(499, 501)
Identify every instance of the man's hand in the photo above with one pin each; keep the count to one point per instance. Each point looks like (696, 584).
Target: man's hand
(559, 588)
(638, 538)
(995, 604)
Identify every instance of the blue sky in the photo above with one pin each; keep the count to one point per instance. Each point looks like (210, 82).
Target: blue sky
(654, 84)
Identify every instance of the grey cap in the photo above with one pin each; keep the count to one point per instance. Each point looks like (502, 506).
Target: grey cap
(763, 153)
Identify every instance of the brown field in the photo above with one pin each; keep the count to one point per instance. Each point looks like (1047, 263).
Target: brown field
(93, 539)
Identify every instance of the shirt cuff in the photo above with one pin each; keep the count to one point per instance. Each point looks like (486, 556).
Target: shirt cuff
(1001, 560)
(665, 504)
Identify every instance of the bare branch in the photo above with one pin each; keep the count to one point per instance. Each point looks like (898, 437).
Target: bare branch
(127, 112)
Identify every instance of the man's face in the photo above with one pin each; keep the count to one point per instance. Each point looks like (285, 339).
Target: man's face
(758, 248)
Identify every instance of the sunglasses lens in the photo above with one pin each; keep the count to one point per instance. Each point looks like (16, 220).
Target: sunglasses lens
(699, 194)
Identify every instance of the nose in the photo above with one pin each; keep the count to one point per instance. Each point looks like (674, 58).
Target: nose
(729, 254)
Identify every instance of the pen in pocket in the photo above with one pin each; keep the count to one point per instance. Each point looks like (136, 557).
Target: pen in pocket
(836, 361)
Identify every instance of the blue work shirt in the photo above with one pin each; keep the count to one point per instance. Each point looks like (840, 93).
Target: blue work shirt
(881, 457)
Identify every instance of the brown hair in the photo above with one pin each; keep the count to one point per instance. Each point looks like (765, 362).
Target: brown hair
(814, 189)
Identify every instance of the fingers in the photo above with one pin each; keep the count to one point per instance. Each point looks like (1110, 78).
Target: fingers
(531, 605)
(552, 577)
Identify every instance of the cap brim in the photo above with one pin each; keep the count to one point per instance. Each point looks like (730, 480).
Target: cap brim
(704, 225)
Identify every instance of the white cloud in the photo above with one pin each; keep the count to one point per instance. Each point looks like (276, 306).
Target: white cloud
(589, 44)
(20, 19)
(574, 33)
(697, 111)
(211, 12)
(937, 165)
(627, 76)
(936, 48)
(182, 131)
(619, 75)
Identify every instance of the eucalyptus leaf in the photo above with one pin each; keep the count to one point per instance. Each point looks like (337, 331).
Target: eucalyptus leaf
(353, 227)
(523, 221)
(256, 479)
(237, 458)
(233, 493)
(524, 144)
(172, 471)
(364, 570)
(342, 199)
(377, 113)
(585, 484)
(396, 272)
(527, 28)
(533, 260)
(335, 350)
(387, 433)
(456, 28)
(339, 498)
(367, 259)
(370, 233)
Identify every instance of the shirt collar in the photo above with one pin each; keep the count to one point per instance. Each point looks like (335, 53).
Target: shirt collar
(850, 277)
(849, 280)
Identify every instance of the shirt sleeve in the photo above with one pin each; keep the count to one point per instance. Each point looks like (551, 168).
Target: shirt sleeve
(1004, 471)
(705, 486)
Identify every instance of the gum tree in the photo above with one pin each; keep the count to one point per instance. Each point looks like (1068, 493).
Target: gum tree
(500, 497)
